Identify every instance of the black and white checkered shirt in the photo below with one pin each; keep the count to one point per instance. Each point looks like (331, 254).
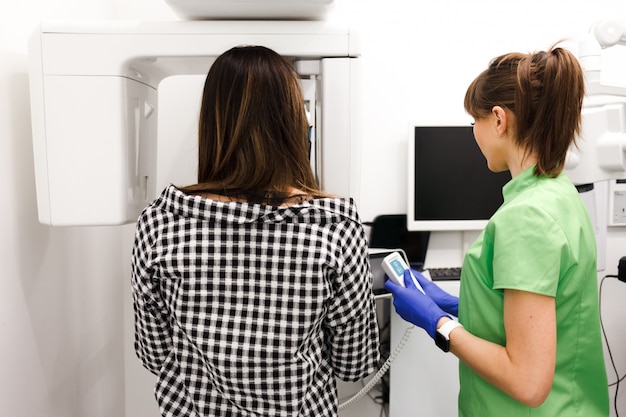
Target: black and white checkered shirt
(252, 310)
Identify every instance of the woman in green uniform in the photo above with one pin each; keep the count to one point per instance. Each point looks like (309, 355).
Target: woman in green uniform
(528, 330)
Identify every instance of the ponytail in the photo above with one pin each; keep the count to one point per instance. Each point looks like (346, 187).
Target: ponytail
(544, 90)
(549, 100)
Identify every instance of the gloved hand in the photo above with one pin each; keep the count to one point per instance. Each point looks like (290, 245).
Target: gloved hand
(415, 307)
(449, 303)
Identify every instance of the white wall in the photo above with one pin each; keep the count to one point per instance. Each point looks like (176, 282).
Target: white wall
(62, 290)
(65, 317)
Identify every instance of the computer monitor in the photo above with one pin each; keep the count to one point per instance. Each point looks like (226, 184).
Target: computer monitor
(449, 185)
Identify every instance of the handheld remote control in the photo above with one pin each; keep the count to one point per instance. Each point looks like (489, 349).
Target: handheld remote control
(394, 266)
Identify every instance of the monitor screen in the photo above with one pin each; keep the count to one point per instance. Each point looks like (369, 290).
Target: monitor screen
(450, 186)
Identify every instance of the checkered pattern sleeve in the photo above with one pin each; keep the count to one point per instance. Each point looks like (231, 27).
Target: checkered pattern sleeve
(252, 310)
(351, 316)
(153, 341)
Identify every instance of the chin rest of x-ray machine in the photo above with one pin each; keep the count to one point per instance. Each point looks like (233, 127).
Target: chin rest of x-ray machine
(94, 94)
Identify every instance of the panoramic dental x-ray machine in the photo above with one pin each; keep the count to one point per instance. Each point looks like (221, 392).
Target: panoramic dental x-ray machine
(601, 151)
(94, 105)
(599, 159)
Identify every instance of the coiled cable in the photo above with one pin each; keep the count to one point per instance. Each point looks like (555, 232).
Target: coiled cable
(383, 369)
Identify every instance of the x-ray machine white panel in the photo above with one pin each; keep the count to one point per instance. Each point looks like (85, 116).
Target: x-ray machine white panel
(94, 104)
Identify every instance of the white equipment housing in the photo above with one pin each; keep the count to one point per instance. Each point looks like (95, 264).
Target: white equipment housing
(601, 151)
(94, 89)
(257, 9)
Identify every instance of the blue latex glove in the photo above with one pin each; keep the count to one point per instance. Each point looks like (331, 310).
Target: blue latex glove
(449, 303)
(415, 307)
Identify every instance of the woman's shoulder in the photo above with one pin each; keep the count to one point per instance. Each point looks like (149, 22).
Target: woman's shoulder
(338, 206)
(326, 209)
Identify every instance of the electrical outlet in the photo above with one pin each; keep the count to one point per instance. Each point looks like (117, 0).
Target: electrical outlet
(617, 203)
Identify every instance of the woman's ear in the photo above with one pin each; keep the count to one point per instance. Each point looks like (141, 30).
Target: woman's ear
(500, 120)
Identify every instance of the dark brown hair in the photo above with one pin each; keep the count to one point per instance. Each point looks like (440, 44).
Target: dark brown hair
(253, 130)
(544, 91)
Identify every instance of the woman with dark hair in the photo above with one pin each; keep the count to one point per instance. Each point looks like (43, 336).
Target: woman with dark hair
(252, 288)
(528, 331)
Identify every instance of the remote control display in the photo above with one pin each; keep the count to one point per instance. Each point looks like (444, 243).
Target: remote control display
(394, 266)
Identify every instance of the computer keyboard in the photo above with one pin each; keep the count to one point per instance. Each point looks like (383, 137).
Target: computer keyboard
(445, 274)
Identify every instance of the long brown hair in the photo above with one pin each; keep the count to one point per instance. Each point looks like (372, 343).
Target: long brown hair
(253, 130)
(544, 90)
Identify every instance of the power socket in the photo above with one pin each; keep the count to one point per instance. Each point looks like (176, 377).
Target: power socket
(617, 202)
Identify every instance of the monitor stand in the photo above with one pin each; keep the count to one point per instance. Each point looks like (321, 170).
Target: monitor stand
(447, 249)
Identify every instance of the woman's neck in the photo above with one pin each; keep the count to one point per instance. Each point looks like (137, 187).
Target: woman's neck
(520, 160)
(289, 197)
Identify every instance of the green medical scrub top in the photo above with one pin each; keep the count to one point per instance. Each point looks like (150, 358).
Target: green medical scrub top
(540, 240)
